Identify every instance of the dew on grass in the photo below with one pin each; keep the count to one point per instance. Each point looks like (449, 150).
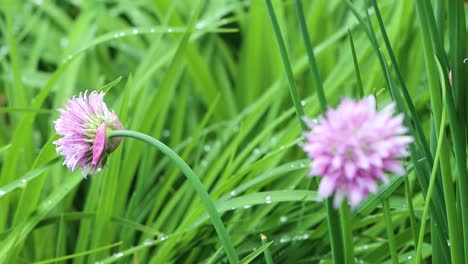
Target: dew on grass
(204, 163)
(122, 34)
(63, 42)
(39, 2)
(170, 30)
(118, 255)
(303, 102)
(135, 31)
(284, 239)
(302, 164)
(256, 151)
(199, 25)
(268, 199)
(247, 206)
(233, 193)
(2, 192)
(166, 133)
(23, 183)
(207, 148)
(163, 237)
(152, 30)
(283, 219)
(116, 35)
(305, 236)
(148, 242)
(410, 257)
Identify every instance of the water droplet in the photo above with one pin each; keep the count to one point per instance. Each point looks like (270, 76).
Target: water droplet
(163, 237)
(305, 236)
(283, 219)
(293, 166)
(98, 169)
(233, 193)
(204, 163)
(207, 148)
(39, 2)
(268, 199)
(410, 257)
(166, 133)
(152, 30)
(2, 192)
(148, 242)
(116, 35)
(63, 42)
(284, 239)
(232, 208)
(199, 25)
(247, 206)
(170, 30)
(135, 31)
(118, 255)
(253, 249)
(256, 151)
(122, 34)
(303, 102)
(282, 147)
(23, 183)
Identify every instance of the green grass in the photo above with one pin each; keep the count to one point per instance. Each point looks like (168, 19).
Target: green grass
(208, 79)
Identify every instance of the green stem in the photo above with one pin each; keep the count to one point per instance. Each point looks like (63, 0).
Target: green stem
(287, 66)
(409, 201)
(267, 253)
(310, 55)
(430, 189)
(333, 220)
(389, 225)
(346, 226)
(194, 181)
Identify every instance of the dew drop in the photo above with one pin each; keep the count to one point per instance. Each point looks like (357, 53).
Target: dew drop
(116, 35)
(303, 102)
(39, 2)
(23, 183)
(63, 42)
(283, 219)
(268, 199)
(122, 34)
(135, 31)
(247, 206)
(302, 165)
(148, 242)
(199, 25)
(2, 192)
(256, 151)
(170, 30)
(207, 148)
(284, 239)
(233, 193)
(163, 237)
(204, 163)
(152, 30)
(166, 133)
(118, 255)
(410, 257)
(293, 166)
(305, 236)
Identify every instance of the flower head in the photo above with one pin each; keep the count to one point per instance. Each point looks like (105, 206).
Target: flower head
(83, 125)
(353, 147)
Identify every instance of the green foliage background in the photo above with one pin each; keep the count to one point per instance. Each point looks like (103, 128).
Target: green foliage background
(219, 99)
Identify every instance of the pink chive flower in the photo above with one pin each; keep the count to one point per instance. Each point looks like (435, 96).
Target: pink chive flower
(83, 125)
(353, 147)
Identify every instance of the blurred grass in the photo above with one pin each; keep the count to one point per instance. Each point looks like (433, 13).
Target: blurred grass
(223, 106)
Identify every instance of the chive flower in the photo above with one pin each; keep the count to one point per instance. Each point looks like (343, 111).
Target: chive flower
(353, 147)
(84, 125)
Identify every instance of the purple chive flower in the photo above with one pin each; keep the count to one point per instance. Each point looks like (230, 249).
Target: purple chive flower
(83, 125)
(353, 147)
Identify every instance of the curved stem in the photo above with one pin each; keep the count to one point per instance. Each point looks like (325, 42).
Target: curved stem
(194, 181)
